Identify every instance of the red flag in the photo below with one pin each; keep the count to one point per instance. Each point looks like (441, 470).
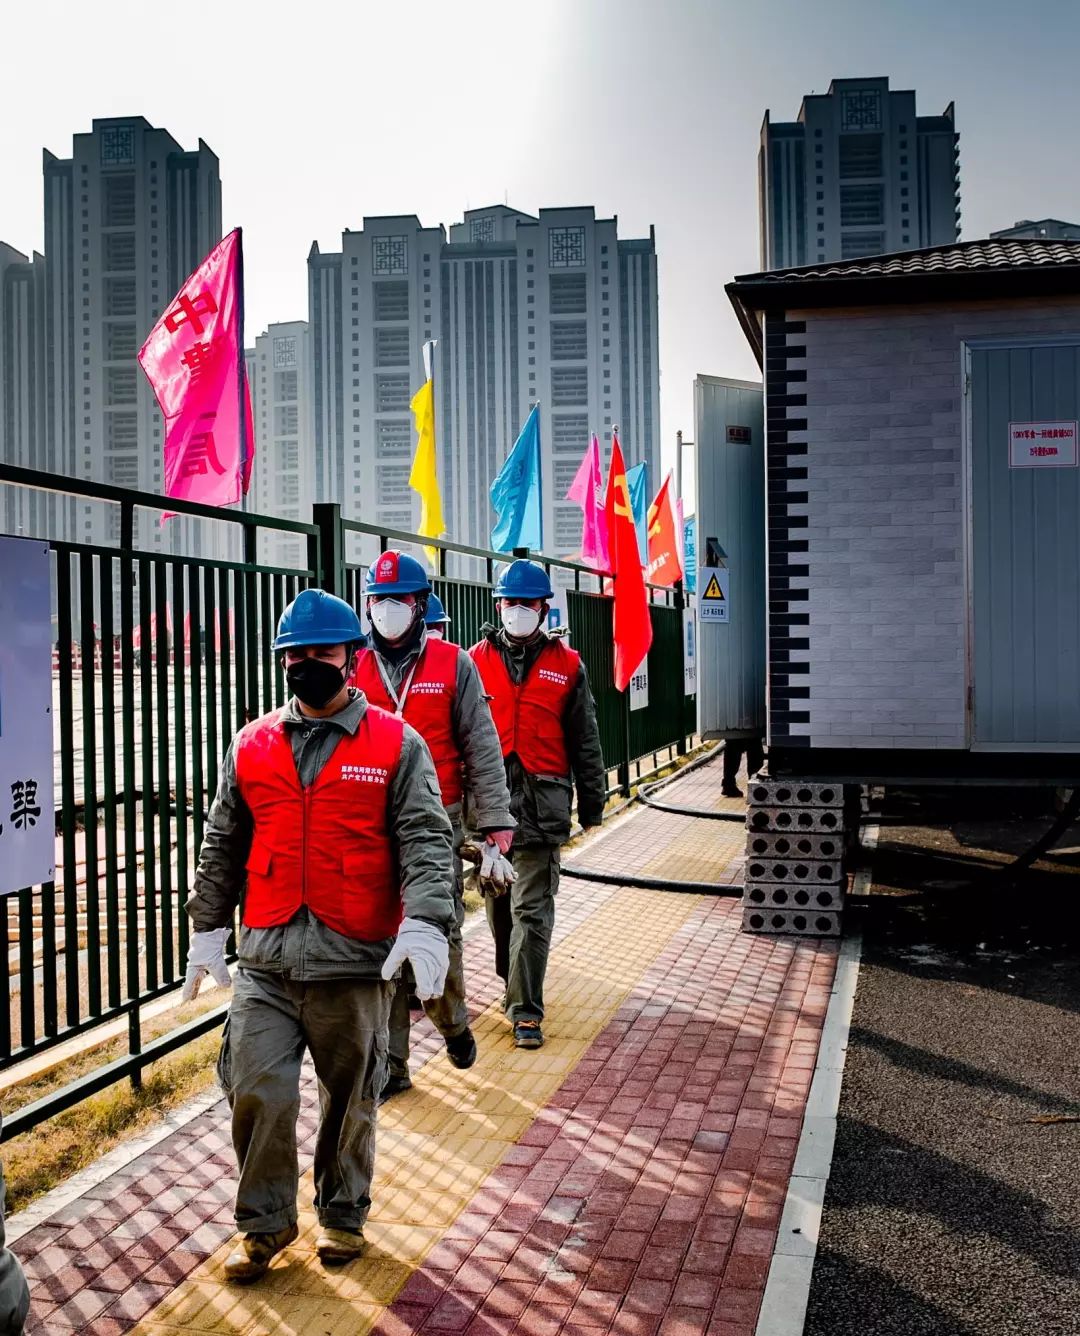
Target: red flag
(194, 360)
(664, 567)
(633, 625)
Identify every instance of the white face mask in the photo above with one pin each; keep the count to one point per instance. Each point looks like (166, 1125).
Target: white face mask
(390, 618)
(520, 622)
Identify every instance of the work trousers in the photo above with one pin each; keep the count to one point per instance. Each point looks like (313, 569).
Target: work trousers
(448, 1013)
(521, 923)
(734, 750)
(14, 1291)
(272, 1020)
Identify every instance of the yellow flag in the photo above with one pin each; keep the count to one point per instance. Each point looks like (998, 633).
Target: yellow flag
(424, 477)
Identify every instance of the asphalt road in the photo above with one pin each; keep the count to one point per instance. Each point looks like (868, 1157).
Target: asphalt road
(949, 1212)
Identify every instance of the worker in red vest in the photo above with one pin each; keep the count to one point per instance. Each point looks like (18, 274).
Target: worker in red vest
(546, 719)
(329, 826)
(434, 686)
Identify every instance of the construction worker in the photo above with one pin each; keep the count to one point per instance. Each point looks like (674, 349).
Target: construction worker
(546, 718)
(329, 811)
(434, 686)
(435, 619)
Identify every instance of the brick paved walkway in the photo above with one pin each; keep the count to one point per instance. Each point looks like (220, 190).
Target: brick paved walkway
(627, 1178)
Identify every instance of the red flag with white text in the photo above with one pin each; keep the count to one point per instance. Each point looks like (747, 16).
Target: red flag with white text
(194, 361)
(632, 622)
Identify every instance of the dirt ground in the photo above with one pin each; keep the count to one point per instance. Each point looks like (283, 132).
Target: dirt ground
(953, 1208)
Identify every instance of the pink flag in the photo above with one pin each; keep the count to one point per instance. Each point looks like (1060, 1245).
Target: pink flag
(194, 360)
(587, 490)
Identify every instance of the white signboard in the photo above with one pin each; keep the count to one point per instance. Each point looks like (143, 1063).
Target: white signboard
(27, 820)
(639, 688)
(1042, 445)
(712, 594)
(558, 614)
(689, 652)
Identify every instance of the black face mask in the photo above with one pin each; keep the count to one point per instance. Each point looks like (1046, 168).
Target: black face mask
(314, 682)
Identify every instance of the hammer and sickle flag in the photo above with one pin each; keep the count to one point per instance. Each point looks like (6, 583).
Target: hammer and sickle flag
(664, 568)
(632, 622)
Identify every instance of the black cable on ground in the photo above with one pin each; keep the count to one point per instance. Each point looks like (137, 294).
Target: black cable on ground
(646, 790)
(653, 883)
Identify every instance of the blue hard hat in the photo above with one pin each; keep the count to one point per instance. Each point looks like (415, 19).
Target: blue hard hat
(315, 617)
(436, 613)
(396, 573)
(524, 579)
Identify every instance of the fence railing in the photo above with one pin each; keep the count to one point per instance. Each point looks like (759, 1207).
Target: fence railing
(162, 650)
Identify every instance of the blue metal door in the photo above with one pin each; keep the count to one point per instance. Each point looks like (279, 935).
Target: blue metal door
(1025, 547)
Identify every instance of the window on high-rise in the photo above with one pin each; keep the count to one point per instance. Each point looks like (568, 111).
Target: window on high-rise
(119, 296)
(392, 346)
(567, 294)
(569, 386)
(118, 200)
(862, 205)
(390, 301)
(860, 155)
(569, 341)
(856, 244)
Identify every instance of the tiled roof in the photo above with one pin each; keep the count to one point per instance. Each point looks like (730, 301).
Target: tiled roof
(962, 257)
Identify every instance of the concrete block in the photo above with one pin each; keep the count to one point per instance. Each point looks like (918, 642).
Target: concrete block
(796, 923)
(780, 895)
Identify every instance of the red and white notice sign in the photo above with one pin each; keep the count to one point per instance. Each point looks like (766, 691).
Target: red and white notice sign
(1034, 445)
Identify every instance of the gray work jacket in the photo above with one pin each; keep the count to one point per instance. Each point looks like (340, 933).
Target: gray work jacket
(486, 795)
(540, 803)
(306, 949)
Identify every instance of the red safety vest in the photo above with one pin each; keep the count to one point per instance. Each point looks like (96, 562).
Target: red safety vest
(328, 846)
(429, 706)
(529, 717)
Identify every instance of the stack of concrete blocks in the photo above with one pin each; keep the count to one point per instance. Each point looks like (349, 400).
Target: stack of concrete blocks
(795, 846)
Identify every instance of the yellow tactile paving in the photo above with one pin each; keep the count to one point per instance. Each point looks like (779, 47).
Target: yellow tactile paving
(438, 1143)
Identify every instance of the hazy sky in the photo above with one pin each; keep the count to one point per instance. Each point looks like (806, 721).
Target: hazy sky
(650, 109)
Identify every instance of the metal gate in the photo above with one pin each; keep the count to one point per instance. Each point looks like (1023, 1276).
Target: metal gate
(1024, 515)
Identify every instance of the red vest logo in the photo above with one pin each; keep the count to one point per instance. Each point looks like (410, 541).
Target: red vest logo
(365, 774)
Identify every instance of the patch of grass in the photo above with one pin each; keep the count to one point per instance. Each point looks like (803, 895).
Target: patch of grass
(40, 1159)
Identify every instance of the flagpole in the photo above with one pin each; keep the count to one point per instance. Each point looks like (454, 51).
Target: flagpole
(428, 352)
(540, 472)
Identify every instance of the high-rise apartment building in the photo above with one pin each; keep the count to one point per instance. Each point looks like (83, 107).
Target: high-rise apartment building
(283, 475)
(127, 217)
(371, 308)
(859, 173)
(552, 309)
(22, 389)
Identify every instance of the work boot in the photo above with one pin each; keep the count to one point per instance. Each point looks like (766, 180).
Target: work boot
(731, 790)
(527, 1034)
(336, 1246)
(461, 1049)
(252, 1258)
(396, 1084)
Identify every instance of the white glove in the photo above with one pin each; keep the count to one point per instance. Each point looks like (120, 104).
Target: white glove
(495, 869)
(206, 955)
(427, 951)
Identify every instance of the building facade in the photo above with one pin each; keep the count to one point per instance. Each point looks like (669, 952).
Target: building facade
(283, 475)
(23, 383)
(552, 309)
(127, 217)
(858, 173)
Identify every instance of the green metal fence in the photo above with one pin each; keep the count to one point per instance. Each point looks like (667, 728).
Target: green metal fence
(162, 652)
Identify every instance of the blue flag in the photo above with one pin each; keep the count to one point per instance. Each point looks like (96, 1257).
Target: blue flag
(690, 555)
(515, 493)
(637, 481)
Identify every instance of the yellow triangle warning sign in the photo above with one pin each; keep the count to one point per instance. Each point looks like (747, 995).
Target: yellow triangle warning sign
(713, 590)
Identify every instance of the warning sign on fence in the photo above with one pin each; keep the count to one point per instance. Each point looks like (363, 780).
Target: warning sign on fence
(27, 808)
(713, 597)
